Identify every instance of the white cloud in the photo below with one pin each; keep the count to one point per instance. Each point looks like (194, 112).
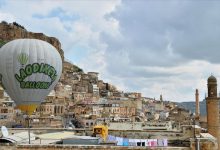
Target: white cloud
(146, 46)
(6, 17)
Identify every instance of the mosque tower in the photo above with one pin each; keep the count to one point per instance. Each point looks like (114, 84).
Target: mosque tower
(212, 106)
(197, 105)
(161, 98)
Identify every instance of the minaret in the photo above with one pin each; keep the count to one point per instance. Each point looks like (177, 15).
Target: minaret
(212, 106)
(161, 98)
(161, 101)
(197, 104)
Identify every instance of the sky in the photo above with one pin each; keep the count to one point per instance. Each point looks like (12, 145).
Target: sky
(153, 47)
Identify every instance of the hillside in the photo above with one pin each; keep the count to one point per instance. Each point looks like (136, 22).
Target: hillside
(191, 106)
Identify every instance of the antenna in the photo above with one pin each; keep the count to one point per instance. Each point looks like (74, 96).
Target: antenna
(4, 131)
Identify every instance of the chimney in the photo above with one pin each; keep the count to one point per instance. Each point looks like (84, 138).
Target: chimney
(197, 104)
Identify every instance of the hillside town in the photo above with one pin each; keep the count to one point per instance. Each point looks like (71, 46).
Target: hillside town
(81, 100)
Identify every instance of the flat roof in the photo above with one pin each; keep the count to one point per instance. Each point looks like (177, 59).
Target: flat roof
(62, 135)
(21, 137)
(45, 141)
(56, 135)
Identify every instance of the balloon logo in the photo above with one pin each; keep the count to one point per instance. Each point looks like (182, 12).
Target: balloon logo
(23, 58)
(29, 69)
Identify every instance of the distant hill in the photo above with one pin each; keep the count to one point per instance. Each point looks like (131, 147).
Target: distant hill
(191, 106)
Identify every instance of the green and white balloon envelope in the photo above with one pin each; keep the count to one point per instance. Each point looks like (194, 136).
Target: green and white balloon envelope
(30, 69)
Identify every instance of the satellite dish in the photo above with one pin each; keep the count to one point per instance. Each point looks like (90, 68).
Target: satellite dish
(4, 131)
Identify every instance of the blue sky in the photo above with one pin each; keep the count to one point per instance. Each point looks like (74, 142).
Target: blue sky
(153, 47)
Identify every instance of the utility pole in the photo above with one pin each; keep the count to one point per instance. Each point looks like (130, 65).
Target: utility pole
(29, 132)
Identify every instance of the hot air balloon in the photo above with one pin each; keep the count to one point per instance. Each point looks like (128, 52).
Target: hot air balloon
(29, 69)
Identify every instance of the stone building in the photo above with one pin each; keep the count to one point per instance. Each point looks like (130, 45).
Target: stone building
(94, 89)
(212, 105)
(126, 108)
(62, 90)
(7, 112)
(51, 109)
(53, 106)
(93, 77)
(180, 116)
(133, 95)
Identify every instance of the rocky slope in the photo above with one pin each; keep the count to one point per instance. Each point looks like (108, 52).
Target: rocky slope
(11, 31)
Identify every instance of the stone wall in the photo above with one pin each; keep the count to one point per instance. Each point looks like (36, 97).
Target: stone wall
(83, 147)
(13, 31)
